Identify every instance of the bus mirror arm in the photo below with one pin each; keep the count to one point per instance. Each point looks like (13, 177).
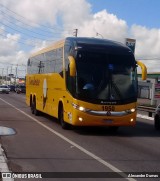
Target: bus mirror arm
(72, 66)
(144, 70)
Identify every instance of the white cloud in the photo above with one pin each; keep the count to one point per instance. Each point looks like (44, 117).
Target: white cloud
(10, 53)
(147, 46)
(106, 25)
(44, 12)
(13, 63)
(8, 44)
(148, 41)
(74, 12)
(38, 11)
(39, 46)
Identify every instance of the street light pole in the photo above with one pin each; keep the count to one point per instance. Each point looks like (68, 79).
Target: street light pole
(99, 34)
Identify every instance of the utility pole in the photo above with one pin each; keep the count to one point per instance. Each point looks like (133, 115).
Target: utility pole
(7, 77)
(16, 74)
(1, 81)
(75, 33)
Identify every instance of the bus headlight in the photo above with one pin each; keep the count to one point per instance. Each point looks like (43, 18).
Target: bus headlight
(131, 110)
(131, 120)
(80, 108)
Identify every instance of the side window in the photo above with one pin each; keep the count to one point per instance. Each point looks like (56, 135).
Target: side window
(50, 61)
(41, 63)
(36, 65)
(67, 51)
(41, 67)
(59, 60)
(29, 66)
(29, 62)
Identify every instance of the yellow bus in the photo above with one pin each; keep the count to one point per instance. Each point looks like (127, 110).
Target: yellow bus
(84, 82)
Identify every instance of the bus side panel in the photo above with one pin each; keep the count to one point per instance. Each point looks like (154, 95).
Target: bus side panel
(33, 88)
(48, 90)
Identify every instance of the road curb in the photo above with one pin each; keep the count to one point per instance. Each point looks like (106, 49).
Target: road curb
(3, 164)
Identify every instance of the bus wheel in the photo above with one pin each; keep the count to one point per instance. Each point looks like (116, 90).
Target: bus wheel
(157, 123)
(61, 118)
(33, 108)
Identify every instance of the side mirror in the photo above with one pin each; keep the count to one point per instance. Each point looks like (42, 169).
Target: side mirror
(72, 66)
(144, 70)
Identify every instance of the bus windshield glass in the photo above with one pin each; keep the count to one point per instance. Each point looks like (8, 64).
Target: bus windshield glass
(106, 77)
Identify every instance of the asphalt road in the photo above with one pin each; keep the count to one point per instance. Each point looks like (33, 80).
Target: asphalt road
(41, 145)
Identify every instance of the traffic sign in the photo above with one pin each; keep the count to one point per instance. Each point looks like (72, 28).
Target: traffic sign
(131, 43)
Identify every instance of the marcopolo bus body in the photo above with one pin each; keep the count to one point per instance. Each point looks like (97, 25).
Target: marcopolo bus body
(84, 82)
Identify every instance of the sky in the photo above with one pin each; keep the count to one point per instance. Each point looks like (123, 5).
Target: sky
(27, 26)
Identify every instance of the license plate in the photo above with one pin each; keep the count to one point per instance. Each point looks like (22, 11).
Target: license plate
(108, 120)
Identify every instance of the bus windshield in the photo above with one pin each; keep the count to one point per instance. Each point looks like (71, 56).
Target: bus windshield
(104, 77)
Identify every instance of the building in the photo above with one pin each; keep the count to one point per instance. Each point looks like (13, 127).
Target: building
(150, 88)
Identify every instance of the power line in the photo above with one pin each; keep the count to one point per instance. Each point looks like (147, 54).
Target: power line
(17, 40)
(26, 34)
(7, 18)
(29, 20)
(6, 22)
(9, 15)
(30, 43)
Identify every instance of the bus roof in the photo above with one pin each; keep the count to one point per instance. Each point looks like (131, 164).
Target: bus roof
(84, 40)
(98, 41)
(57, 44)
(109, 45)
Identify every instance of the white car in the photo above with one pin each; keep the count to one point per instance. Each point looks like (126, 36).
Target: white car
(4, 89)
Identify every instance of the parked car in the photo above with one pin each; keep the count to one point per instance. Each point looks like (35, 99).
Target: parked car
(20, 89)
(157, 118)
(12, 88)
(4, 89)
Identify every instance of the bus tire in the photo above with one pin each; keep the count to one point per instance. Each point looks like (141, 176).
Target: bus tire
(34, 109)
(30, 104)
(61, 117)
(157, 123)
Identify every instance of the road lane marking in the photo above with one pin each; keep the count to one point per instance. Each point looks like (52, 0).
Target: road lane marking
(110, 166)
